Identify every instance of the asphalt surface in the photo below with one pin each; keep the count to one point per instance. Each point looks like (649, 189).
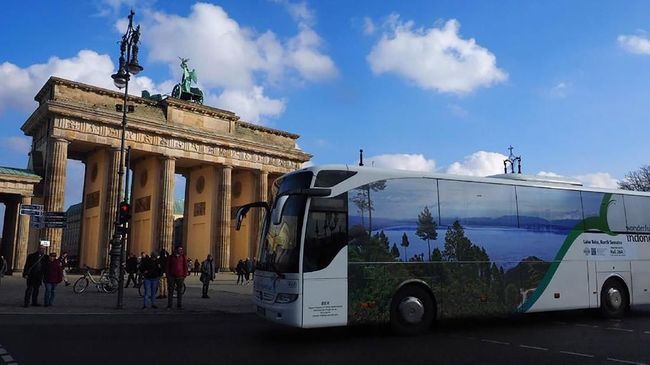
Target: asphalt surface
(211, 334)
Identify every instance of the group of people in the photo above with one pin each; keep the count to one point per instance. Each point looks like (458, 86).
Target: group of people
(43, 269)
(167, 272)
(245, 269)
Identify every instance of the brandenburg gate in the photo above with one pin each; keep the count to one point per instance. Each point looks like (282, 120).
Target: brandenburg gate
(226, 162)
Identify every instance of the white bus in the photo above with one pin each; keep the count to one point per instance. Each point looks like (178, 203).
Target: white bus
(345, 244)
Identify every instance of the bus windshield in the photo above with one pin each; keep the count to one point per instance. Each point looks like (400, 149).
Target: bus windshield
(280, 248)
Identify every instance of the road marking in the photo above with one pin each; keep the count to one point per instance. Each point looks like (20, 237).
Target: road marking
(586, 325)
(534, 347)
(2, 351)
(646, 332)
(625, 361)
(576, 354)
(496, 342)
(7, 358)
(619, 329)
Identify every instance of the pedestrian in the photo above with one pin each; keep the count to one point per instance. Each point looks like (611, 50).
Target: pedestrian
(239, 269)
(151, 271)
(163, 278)
(137, 270)
(53, 276)
(3, 267)
(207, 275)
(248, 269)
(177, 271)
(33, 271)
(197, 267)
(131, 268)
(64, 262)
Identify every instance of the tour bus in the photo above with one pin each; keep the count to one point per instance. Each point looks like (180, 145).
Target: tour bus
(348, 244)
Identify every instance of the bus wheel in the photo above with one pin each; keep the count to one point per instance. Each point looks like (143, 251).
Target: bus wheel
(412, 311)
(613, 299)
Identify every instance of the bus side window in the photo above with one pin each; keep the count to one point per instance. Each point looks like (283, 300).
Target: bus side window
(326, 232)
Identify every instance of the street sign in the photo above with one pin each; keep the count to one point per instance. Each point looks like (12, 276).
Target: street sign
(31, 209)
(51, 217)
(55, 224)
(45, 243)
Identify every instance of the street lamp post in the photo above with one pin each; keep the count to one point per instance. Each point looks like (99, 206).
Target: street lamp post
(128, 66)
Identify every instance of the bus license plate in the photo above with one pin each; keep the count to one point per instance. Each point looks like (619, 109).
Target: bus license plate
(261, 311)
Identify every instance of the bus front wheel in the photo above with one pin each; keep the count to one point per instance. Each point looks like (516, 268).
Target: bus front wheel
(412, 310)
(613, 299)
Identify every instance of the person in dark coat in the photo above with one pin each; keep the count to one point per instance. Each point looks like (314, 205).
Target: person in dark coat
(53, 276)
(131, 269)
(3, 267)
(163, 279)
(239, 269)
(197, 267)
(151, 272)
(207, 275)
(33, 271)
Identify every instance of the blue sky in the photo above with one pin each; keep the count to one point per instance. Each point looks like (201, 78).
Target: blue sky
(441, 86)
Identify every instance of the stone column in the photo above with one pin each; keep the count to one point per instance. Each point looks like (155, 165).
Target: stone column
(57, 156)
(110, 205)
(23, 237)
(186, 209)
(223, 206)
(166, 215)
(261, 194)
(10, 230)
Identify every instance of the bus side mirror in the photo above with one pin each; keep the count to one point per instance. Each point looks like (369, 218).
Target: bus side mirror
(241, 214)
(281, 201)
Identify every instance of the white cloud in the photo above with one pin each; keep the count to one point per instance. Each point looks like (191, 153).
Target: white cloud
(479, 163)
(250, 105)
(20, 85)
(435, 58)
(17, 144)
(560, 90)
(548, 174)
(634, 44)
(368, 26)
(458, 111)
(598, 180)
(235, 60)
(595, 180)
(403, 161)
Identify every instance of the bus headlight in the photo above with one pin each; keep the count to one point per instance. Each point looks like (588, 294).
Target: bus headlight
(284, 298)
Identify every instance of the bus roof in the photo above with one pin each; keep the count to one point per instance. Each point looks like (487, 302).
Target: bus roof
(369, 174)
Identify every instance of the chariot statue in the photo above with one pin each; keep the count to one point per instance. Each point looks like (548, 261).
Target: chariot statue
(184, 90)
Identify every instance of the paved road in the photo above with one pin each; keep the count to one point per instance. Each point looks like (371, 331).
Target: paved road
(162, 337)
(223, 330)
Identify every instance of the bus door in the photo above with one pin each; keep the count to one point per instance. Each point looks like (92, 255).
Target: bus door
(325, 264)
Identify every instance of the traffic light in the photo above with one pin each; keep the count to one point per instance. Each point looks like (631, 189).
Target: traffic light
(125, 212)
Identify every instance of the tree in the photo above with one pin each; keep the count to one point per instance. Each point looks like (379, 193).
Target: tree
(363, 201)
(637, 180)
(395, 251)
(457, 246)
(427, 227)
(405, 243)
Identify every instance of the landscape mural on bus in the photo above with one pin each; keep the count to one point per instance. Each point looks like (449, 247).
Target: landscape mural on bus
(483, 248)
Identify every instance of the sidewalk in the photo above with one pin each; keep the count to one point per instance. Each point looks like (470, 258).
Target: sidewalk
(225, 296)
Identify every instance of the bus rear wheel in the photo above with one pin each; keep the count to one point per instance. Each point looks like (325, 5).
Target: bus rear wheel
(412, 311)
(613, 299)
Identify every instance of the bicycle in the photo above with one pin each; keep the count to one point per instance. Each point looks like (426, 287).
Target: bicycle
(105, 283)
